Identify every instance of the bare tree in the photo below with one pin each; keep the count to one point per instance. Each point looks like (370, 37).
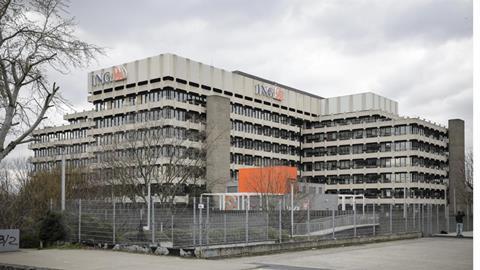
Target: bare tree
(167, 158)
(464, 191)
(35, 36)
(13, 175)
(469, 169)
(25, 195)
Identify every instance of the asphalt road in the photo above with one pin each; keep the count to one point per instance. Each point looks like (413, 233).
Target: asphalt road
(425, 253)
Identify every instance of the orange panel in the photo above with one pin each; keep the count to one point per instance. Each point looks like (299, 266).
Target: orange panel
(267, 179)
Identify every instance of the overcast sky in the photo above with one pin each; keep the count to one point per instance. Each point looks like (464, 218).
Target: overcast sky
(417, 52)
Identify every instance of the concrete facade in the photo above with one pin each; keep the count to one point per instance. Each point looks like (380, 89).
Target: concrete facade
(355, 144)
(385, 157)
(218, 143)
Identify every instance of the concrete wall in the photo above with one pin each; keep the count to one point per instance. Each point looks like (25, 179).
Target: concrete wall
(258, 249)
(456, 164)
(218, 143)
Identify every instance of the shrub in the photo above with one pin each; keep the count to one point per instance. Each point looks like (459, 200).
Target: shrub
(52, 228)
(29, 238)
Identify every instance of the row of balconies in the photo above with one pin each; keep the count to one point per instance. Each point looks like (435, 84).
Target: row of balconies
(392, 185)
(62, 128)
(392, 154)
(60, 143)
(377, 170)
(392, 138)
(392, 122)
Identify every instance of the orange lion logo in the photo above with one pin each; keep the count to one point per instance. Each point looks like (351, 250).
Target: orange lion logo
(119, 73)
(279, 94)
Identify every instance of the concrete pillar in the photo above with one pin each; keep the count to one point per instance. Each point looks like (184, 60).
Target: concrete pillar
(456, 164)
(218, 143)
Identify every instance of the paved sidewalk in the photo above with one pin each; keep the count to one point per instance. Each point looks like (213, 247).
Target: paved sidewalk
(425, 253)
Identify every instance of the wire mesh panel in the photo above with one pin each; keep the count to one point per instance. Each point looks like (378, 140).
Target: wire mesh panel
(202, 223)
(96, 222)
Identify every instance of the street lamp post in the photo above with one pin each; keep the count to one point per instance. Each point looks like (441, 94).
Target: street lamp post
(149, 202)
(63, 179)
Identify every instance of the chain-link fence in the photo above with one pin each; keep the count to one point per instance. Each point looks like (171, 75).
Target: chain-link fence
(203, 224)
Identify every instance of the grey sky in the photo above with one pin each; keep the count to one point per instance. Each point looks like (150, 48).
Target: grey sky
(417, 52)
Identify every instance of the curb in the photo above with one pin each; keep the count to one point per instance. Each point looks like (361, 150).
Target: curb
(219, 253)
(452, 236)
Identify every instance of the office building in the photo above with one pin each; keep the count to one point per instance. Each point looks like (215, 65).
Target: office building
(355, 144)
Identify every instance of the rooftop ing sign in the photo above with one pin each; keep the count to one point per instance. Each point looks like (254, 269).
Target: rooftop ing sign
(272, 92)
(118, 73)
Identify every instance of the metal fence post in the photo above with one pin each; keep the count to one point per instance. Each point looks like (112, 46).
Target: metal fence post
(333, 223)
(468, 219)
(391, 219)
(194, 235)
(423, 217)
(374, 219)
(224, 227)
(280, 222)
(207, 223)
(152, 203)
(405, 215)
(355, 221)
(246, 220)
(267, 225)
(79, 220)
(200, 221)
(308, 219)
(447, 220)
(171, 228)
(291, 212)
(113, 221)
(431, 219)
(413, 216)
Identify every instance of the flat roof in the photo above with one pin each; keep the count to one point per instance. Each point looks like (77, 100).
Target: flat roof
(276, 84)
